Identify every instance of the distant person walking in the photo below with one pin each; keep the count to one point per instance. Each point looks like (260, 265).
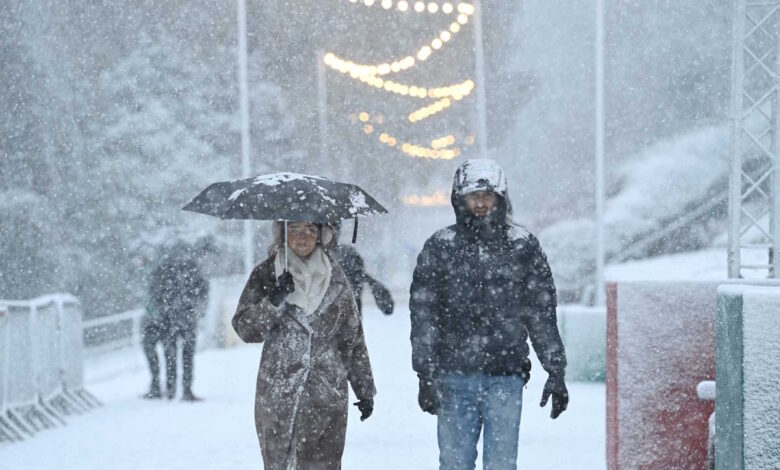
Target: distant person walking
(178, 292)
(355, 269)
(481, 287)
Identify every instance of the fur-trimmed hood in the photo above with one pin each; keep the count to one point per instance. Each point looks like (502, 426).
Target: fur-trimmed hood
(326, 238)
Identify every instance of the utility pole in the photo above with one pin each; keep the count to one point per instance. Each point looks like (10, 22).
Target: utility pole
(599, 298)
(322, 107)
(246, 164)
(482, 136)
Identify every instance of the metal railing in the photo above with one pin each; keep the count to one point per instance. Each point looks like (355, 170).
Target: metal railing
(41, 372)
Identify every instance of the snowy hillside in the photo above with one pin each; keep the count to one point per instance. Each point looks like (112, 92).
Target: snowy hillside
(665, 184)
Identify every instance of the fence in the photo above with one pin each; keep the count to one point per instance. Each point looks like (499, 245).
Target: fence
(41, 373)
(114, 332)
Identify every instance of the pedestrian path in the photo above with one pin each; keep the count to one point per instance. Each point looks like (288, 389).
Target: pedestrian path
(129, 433)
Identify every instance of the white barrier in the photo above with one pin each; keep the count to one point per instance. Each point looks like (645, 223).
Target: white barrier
(21, 372)
(748, 372)
(71, 345)
(583, 331)
(98, 326)
(8, 431)
(3, 357)
(45, 349)
(41, 368)
(223, 301)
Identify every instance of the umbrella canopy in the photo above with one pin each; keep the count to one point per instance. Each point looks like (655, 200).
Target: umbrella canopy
(285, 196)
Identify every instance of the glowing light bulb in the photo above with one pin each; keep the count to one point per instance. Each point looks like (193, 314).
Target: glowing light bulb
(368, 2)
(463, 19)
(436, 43)
(363, 116)
(454, 27)
(466, 8)
(433, 7)
(419, 7)
(387, 4)
(445, 36)
(403, 5)
(447, 8)
(368, 128)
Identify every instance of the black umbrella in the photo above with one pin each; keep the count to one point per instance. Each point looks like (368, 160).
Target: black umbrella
(285, 196)
(288, 197)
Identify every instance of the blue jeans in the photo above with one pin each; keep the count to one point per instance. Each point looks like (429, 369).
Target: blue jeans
(466, 404)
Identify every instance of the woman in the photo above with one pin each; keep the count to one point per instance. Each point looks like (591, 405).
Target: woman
(303, 310)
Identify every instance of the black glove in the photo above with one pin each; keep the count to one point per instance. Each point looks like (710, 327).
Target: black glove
(556, 387)
(427, 398)
(366, 407)
(283, 287)
(382, 298)
(525, 372)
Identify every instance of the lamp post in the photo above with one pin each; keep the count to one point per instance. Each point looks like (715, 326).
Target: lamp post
(243, 93)
(600, 197)
(480, 79)
(322, 106)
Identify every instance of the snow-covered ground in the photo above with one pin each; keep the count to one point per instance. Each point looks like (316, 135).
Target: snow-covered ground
(218, 433)
(704, 265)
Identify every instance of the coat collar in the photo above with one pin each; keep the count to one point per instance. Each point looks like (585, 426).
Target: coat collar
(337, 285)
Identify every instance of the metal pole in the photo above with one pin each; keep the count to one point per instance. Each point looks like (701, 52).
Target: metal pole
(480, 79)
(774, 148)
(600, 197)
(286, 264)
(735, 177)
(774, 190)
(246, 164)
(322, 107)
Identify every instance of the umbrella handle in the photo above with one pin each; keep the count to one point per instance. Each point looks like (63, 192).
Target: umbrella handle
(285, 246)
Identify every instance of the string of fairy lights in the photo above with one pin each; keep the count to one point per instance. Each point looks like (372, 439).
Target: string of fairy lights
(439, 98)
(438, 198)
(439, 148)
(355, 69)
(404, 6)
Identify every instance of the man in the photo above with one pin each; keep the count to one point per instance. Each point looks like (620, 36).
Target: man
(178, 291)
(480, 288)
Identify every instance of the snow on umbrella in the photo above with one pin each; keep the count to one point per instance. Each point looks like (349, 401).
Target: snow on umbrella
(288, 197)
(285, 196)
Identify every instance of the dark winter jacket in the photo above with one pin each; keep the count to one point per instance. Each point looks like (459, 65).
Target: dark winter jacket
(301, 400)
(354, 268)
(480, 288)
(177, 291)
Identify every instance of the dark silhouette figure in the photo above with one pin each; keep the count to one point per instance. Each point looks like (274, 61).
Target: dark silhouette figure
(177, 294)
(354, 269)
(153, 332)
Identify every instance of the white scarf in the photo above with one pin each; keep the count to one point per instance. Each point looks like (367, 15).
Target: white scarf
(311, 277)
